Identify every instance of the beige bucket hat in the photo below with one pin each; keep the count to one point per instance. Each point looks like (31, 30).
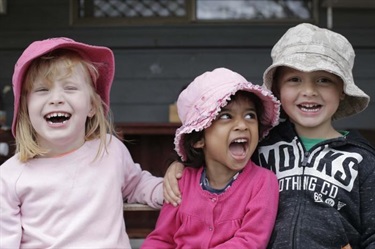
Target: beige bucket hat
(307, 48)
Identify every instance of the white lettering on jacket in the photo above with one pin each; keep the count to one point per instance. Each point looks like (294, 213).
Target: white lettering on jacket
(295, 168)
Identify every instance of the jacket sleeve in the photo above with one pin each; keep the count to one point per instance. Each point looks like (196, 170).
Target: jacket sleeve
(10, 216)
(166, 226)
(259, 221)
(367, 208)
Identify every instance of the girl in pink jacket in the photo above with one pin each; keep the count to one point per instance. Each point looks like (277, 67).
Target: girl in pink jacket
(229, 202)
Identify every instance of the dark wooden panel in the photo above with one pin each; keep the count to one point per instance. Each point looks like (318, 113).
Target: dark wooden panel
(140, 113)
(188, 62)
(363, 120)
(39, 14)
(146, 91)
(364, 63)
(8, 59)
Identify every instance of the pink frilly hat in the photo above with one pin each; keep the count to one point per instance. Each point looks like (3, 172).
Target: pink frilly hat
(199, 104)
(102, 56)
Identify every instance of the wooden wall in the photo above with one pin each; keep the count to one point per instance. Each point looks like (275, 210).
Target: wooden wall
(154, 62)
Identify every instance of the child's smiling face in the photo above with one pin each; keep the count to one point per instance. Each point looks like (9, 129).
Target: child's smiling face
(58, 108)
(310, 99)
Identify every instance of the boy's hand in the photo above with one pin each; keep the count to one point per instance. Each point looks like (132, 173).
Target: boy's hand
(171, 191)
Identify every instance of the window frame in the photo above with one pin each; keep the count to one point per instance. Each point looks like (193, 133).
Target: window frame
(190, 18)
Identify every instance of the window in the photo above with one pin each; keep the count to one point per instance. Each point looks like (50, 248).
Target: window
(132, 12)
(253, 10)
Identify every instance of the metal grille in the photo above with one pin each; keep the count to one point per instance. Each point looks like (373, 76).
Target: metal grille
(254, 9)
(134, 8)
(132, 12)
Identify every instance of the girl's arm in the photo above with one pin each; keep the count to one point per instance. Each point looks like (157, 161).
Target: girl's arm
(142, 187)
(171, 191)
(138, 186)
(10, 216)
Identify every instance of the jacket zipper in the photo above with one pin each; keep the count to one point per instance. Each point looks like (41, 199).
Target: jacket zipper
(306, 156)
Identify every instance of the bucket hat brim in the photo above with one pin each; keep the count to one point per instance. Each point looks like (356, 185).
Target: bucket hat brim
(199, 104)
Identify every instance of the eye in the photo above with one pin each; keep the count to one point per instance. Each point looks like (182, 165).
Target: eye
(71, 84)
(224, 116)
(40, 89)
(290, 78)
(251, 115)
(294, 79)
(324, 80)
(71, 87)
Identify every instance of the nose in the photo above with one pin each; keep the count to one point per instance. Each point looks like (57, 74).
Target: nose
(309, 88)
(56, 97)
(240, 124)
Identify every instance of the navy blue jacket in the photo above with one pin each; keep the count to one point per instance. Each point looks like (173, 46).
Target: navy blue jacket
(327, 194)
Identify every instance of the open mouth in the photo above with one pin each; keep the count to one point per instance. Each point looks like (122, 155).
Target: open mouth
(310, 107)
(57, 117)
(238, 147)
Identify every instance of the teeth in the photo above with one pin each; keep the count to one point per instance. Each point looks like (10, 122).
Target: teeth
(58, 114)
(309, 110)
(309, 106)
(240, 140)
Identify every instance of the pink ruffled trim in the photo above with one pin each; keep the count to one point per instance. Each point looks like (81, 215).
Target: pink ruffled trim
(206, 118)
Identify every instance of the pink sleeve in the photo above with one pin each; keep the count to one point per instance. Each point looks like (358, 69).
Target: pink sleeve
(139, 186)
(10, 216)
(259, 221)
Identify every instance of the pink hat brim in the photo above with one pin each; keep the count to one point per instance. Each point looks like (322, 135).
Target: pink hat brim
(214, 90)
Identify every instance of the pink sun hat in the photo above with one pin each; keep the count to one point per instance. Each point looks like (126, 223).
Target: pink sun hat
(201, 101)
(102, 56)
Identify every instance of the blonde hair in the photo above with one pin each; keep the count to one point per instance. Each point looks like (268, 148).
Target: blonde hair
(49, 66)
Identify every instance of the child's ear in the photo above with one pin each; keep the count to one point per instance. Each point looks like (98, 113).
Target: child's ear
(342, 97)
(92, 112)
(199, 144)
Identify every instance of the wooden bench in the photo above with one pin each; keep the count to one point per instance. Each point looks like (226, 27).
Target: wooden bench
(140, 219)
(138, 207)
